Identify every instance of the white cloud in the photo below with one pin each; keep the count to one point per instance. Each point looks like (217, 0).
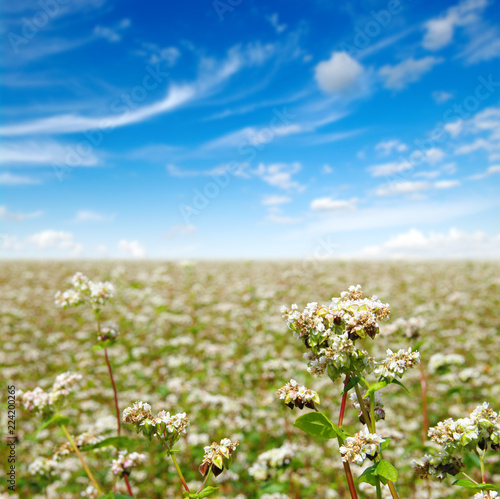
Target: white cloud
(282, 220)
(273, 20)
(10, 243)
(386, 147)
(399, 76)
(113, 35)
(484, 45)
(52, 239)
(387, 169)
(92, 216)
(434, 155)
(485, 125)
(18, 217)
(407, 187)
(440, 96)
(10, 179)
(279, 175)
(446, 184)
(431, 156)
(439, 31)
(453, 244)
(132, 248)
(327, 169)
(454, 128)
(181, 229)
(338, 73)
(330, 204)
(38, 152)
(211, 75)
(275, 200)
(492, 170)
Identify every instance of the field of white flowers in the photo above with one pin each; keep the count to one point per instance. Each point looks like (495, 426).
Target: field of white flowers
(209, 339)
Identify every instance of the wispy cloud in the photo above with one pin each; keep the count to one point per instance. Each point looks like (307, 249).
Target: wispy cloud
(329, 204)
(11, 179)
(132, 249)
(410, 187)
(39, 152)
(409, 71)
(280, 175)
(275, 200)
(92, 216)
(17, 217)
(452, 244)
(210, 77)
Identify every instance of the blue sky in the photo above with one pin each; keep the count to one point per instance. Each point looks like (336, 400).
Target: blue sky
(244, 129)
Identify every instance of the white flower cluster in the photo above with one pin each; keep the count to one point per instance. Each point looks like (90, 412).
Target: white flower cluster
(329, 331)
(481, 429)
(397, 363)
(165, 427)
(87, 438)
(90, 493)
(295, 395)
(490, 494)
(124, 463)
(97, 293)
(44, 467)
(439, 362)
(269, 463)
(362, 444)
(217, 456)
(437, 466)
(47, 402)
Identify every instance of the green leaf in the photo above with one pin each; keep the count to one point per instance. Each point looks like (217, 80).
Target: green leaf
(104, 344)
(56, 420)
(318, 425)
(118, 442)
(375, 387)
(396, 382)
(369, 476)
(471, 460)
(386, 470)
(385, 443)
(207, 491)
(351, 384)
(475, 486)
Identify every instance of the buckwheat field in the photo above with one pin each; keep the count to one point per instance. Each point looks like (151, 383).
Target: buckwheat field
(246, 380)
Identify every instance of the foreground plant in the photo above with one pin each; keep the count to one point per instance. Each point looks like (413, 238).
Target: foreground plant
(168, 429)
(48, 404)
(477, 434)
(331, 333)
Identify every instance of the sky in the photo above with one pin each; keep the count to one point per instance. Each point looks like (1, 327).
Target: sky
(239, 129)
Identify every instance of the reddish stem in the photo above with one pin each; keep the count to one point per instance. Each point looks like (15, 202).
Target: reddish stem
(425, 415)
(347, 467)
(114, 391)
(130, 493)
